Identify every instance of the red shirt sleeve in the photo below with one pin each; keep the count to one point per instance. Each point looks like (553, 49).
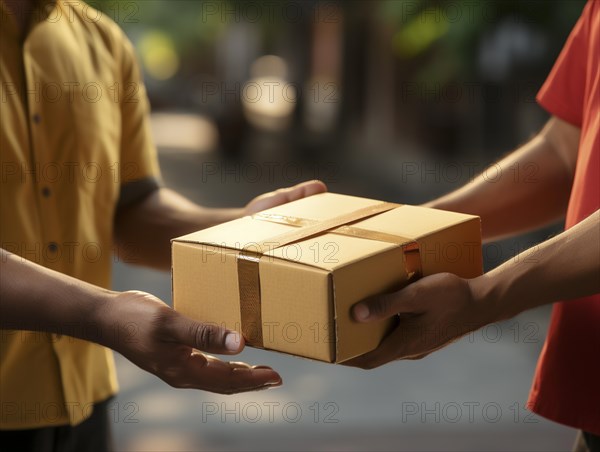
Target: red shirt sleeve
(562, 94)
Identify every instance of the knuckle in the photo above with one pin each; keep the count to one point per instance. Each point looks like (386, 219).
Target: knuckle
(203, 334)
(412, 293)
(382, 306)
(450, 280)
(162, 317)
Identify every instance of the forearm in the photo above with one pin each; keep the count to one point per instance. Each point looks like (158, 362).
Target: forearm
(562, 268)
(136, 324)
(38, 299)
(528, 189)
(146, 228)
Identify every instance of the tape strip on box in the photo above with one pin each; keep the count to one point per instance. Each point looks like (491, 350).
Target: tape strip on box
(248, 263)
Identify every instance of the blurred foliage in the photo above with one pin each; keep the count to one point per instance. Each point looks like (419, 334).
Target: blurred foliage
(183, 20)
(434, 40)
(443, 36)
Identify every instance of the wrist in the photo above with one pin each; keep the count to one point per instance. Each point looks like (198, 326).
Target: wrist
(488, 306)
(104, 316)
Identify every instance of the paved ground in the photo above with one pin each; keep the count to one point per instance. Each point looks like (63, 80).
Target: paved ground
(469, 397)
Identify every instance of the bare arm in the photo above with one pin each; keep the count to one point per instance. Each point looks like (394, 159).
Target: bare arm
(161, 341)
(562, 268)
(509, 197)
(147, 227)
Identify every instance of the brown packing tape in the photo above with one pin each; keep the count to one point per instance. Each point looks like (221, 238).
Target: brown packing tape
(412, 255)
(249, 287)
(248, 263)
(319, 227)
(408, 244)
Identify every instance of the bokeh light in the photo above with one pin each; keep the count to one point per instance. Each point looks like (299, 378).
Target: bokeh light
(268, 98)
(158, 54)
(420, 33)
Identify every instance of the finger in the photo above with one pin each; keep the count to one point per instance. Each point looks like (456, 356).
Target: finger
(204, 336)
(285, 195)
(408, 341)
(235, 364)
(418, 357)
(386, 352)
(313, 187)
(302, 190)
(387, 305)
(215, 375)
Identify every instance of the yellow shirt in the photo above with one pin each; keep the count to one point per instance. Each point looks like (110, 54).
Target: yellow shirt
(74, 131)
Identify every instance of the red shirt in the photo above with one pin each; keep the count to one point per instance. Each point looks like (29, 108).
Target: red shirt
(566, 386)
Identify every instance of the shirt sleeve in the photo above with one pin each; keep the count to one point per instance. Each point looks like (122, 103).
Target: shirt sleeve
(562, 94)
(139, 161)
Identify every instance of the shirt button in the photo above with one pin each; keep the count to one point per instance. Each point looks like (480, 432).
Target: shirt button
(37, 118)
(46, 192)
(52, 247)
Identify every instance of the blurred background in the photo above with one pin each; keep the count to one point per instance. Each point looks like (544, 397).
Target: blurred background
(395, 100)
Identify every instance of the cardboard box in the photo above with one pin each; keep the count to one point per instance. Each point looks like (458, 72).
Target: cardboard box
(288, 277)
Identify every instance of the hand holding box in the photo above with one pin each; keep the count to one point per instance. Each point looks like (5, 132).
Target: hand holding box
(287, 277)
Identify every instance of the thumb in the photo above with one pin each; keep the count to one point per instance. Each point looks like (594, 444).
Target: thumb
(207, 337)
(383, 306)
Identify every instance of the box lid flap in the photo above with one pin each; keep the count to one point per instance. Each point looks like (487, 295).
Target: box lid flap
(328, 250)
(239, 233)
(413, 222)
